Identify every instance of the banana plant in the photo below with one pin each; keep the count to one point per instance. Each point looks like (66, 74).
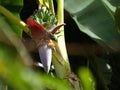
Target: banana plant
(59, 55)
(50, 36)
(43, 38)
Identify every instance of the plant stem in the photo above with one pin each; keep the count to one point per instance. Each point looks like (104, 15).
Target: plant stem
(61, 64)
(10, 16)
(60, 16)
(51, 6)
(60, 11)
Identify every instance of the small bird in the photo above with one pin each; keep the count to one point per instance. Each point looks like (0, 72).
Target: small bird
(43, 38)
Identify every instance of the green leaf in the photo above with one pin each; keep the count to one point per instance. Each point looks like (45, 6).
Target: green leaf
(14, 27)
(87, 79)
(11, 2)
(115, 2)
(95, 18)
(14, 7)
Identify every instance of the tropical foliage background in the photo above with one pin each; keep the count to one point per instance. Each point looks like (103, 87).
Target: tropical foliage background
(92, 41)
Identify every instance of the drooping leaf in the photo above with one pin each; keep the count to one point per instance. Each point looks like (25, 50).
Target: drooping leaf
(95, 18)
(115, 2)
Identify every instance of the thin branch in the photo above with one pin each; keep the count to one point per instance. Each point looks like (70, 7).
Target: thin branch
(10, 16)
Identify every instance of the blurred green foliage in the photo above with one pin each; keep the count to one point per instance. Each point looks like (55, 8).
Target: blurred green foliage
(15, 62)
(14, 65)
(99, 19)
(93, 17)
(11, 2)
(87, 79)
(14, 6)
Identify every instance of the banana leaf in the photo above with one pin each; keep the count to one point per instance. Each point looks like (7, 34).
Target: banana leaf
(96, 19)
